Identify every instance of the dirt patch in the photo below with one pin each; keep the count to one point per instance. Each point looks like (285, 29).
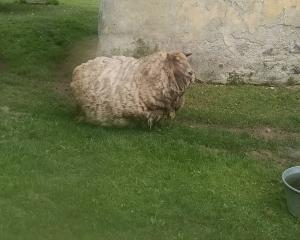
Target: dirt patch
(258, 132)
(282, 160)
(262, 154)
(268, 133)
(63, 88)
(293, 153)
(80, 53)
(295, 87)
(3, 66)
(283, 156)
(271, 133)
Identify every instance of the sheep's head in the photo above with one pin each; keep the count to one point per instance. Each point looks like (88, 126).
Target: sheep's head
(183, 72)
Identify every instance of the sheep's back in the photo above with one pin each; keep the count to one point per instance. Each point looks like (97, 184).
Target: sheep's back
(105, 87)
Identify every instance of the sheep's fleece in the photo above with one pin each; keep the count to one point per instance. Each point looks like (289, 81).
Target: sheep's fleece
(110, 91)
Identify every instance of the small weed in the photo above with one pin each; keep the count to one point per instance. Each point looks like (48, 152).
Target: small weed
(47, 2)
(143, 49)
(235, 79)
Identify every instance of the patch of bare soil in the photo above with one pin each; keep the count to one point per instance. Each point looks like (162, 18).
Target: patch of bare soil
(80, 53)
(283, 159)
(283, 156)
(269, 133)
(294, 87)
(3, 66)
(258, 132)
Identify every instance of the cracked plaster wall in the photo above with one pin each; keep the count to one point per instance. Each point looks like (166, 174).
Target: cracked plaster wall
(255, 41)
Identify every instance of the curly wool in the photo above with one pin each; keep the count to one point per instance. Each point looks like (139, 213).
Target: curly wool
(109, 91)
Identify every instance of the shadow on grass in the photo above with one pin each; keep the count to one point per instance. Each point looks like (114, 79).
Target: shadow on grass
(18, 8)
(172, 133)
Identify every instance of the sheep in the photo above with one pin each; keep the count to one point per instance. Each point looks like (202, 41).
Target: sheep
(111, 91)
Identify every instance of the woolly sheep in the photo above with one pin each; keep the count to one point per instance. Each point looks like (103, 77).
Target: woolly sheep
(111, 91)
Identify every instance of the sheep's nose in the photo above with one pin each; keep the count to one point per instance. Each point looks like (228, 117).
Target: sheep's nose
(191, 73)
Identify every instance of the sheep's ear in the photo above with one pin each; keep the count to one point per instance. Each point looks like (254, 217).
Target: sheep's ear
(188, 54)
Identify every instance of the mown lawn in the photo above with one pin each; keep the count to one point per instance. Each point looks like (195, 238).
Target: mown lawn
(213, 173)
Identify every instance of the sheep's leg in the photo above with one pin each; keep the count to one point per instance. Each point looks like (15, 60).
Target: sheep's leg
(150, 122)
(172, 115)
(155, 117)
(80, 115)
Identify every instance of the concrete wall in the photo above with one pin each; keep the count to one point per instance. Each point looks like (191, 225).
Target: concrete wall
(254, 41)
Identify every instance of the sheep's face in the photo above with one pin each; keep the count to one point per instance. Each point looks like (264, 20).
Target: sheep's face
(183, 72)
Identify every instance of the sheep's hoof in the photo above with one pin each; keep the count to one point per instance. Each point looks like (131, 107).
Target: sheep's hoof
(172, 115)
(150, 123)
(80, 118)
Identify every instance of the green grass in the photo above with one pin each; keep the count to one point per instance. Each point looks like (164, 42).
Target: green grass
(195, 178)
(245, 106)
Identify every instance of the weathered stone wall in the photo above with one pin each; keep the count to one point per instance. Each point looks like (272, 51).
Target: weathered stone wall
(254, 41)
